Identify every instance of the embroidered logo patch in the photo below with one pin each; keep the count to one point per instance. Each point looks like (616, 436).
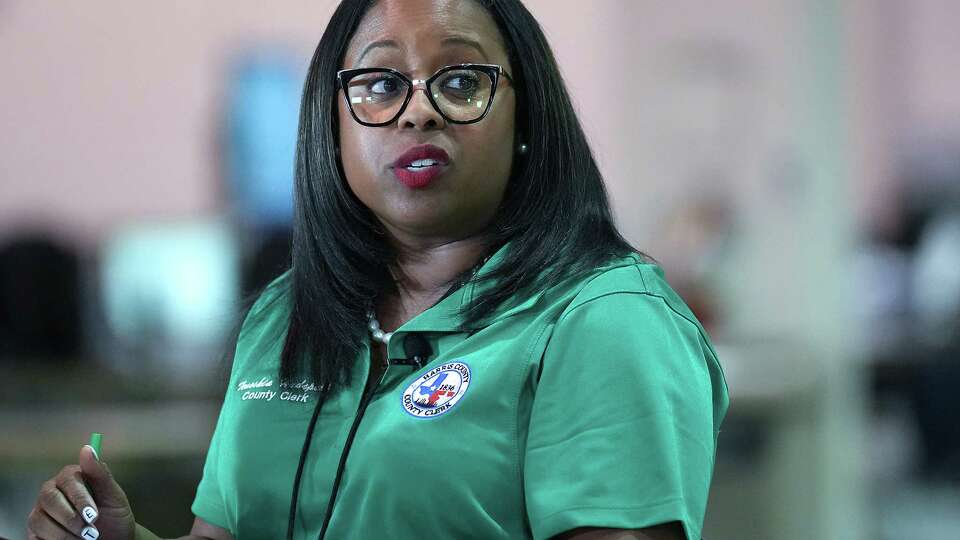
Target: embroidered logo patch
(437, 391)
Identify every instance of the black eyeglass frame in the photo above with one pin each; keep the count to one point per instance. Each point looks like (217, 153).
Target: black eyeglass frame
(494, 71)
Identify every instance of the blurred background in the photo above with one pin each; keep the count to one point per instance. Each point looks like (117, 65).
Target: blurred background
(793, 164)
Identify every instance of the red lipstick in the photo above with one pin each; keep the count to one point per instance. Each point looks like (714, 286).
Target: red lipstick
(419, 165)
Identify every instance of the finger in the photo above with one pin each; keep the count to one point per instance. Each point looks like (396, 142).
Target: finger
(104, 488)
(43, 526)
(70, 482)
(55, 504)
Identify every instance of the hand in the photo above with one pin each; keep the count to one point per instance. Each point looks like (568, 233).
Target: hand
(82, 501)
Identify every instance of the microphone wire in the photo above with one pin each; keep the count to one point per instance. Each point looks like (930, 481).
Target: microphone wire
(418, 351)
(303, 459)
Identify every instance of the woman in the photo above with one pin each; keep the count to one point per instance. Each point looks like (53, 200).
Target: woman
(541, 379)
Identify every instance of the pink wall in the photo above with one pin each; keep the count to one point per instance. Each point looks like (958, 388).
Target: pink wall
(931, 78)
(107, 109)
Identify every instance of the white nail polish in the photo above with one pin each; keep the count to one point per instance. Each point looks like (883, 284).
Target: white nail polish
(92, 449)
(90, 533)
(89, 514)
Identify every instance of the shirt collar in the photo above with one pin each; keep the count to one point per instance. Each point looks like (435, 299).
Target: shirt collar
(445, 316)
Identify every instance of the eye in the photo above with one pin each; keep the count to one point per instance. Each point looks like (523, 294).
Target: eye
(461, 84)
(384, 85)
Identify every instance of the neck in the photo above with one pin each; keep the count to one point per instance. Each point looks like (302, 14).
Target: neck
(430, 268)
(424, 271)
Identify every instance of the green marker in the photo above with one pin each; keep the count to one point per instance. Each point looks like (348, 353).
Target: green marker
(95, 439)
(89, 513)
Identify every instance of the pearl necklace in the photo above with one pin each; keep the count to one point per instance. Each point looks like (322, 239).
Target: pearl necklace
(374, 325)
(384, 337)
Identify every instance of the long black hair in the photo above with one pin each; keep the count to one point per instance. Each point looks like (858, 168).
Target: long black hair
(555, 212)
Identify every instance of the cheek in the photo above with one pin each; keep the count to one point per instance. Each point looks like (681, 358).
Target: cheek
(348, 136)
(354, 150)
(496, 149)
(504, 124)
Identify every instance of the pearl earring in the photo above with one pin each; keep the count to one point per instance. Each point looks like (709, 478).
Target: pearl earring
(522, 149)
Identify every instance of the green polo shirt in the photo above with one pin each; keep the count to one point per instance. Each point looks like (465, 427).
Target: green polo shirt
(596, 402)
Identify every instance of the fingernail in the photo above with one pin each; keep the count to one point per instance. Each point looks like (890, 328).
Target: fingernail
(89, 514)
(95, 439)
(90, 533)
(94, 450)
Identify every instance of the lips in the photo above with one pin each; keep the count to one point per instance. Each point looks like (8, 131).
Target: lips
(419, 165)
(421, 152)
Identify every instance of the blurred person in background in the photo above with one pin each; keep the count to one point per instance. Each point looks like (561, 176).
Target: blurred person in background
(540, 380)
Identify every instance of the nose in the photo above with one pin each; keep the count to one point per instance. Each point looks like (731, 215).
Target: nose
(420, 113)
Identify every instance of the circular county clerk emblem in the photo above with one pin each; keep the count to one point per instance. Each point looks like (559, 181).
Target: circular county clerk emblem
(437, 391)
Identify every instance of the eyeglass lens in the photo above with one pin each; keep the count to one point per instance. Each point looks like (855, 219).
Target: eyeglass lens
(460, 94)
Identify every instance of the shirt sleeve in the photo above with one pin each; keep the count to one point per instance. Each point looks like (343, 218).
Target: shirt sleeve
(209, 503)
(625, 419)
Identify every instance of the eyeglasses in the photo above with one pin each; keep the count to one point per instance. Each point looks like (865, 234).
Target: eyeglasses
(461, 93)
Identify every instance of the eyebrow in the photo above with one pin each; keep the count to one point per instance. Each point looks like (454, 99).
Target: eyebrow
(463, 40)
(451, 40)
(377, 44)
